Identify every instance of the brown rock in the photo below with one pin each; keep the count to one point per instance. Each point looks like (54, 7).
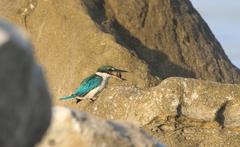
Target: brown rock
(70, 128)
(174, 97)
(231, 114)
(179, 111)
(150, 39)
(169, 35)
(24, 99)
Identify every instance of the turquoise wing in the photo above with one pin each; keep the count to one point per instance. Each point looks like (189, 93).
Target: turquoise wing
(88, 84)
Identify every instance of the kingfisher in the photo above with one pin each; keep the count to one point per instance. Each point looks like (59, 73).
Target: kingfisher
(91, 86)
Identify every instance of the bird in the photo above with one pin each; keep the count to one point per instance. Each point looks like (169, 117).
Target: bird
(91, 86)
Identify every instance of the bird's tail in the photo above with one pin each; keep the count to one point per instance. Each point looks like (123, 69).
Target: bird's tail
(68, 97)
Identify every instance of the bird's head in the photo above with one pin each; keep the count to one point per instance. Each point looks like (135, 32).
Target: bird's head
(111, 71)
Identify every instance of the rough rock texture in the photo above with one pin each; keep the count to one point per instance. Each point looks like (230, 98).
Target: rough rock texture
(173, 97)
(70, 128)
(67, 40)
(169, 35)
(179, 111)
(24, 99)
(232, 113)
(152, 39)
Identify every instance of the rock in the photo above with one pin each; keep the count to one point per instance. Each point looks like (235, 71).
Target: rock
(197, 99)
(153, 40)
(231, 115)
(169, 35)
(60, 34)
(173, 97)
(174, 108)
(71, 128)
(24, 99)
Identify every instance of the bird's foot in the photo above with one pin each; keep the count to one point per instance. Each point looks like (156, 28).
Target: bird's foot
(93, 99)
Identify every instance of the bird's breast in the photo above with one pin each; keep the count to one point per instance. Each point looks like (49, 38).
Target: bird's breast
(98, 89)
(103, 83)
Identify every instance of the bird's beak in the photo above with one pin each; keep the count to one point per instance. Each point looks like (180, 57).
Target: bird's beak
(120, 70)
(118, 74)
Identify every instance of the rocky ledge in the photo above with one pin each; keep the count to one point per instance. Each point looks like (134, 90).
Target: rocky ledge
(181, 107)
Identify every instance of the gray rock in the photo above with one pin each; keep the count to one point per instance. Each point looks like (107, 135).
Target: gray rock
(24, 99)
(70, 128)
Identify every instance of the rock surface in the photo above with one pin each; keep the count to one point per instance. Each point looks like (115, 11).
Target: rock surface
(66, 37)
(174, 97)
(188, 110)
(169, 35)
(70, 128)
(24, 99)
(151, 39)
(232, 113)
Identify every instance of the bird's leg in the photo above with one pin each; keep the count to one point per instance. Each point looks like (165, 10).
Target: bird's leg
(93, 98)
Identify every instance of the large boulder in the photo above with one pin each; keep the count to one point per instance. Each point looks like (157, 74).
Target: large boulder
(70, 128)
(151, 39)
(174, 97)
(169, 35)
(179, 111)
(67, 40)
(25, 105)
